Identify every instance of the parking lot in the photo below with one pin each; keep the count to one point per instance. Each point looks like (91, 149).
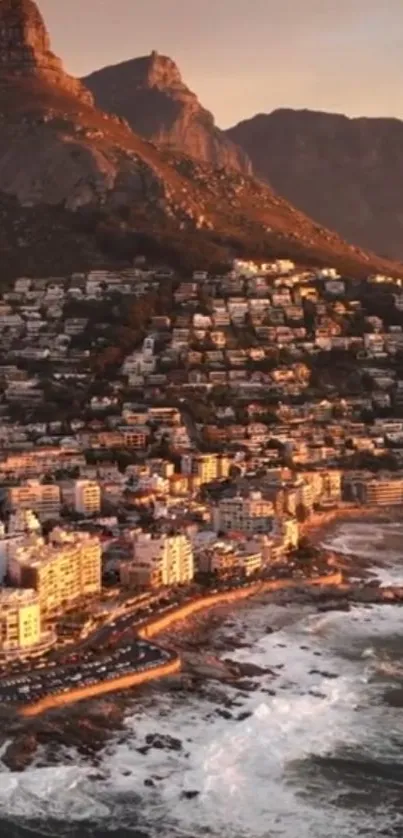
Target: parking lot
(112, 651)
(37, 684)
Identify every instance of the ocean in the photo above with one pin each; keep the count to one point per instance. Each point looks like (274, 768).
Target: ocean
(310, 749)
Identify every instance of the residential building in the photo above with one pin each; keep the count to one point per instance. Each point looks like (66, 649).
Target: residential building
(87, 497)
(61, 572)
(20, 621)
(382, 491)
(159, 560)
(251, 514)
(21, 525)
(226, 559)
(41, 498)
(207, 467)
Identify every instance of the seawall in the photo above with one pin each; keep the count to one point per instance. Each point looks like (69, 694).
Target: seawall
(114, 685)
(318, 522)
(160, 623)
(164, 621)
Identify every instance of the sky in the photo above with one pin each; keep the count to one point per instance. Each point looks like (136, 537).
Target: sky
(244, 57)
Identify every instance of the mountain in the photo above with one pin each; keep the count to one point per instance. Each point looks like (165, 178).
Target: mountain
(150, 94)
(346, 173)
(26, 54)
(79, 188)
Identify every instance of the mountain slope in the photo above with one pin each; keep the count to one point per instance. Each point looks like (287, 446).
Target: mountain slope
(344, 172)
(74, 179)
(150, 94)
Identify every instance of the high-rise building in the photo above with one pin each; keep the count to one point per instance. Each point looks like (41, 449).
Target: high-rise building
(207, 467)
(20, 620)
(41, 498)
(251, 514)
(379, 491)
(87, 497)
(61, 572)
(159, 560)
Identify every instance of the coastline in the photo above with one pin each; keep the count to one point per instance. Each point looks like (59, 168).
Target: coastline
(160, 624)
(102, 688)
(319, 522)
(314, 529)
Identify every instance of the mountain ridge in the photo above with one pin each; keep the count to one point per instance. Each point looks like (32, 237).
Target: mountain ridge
(150, 94)
(344, 171)
(71, 173)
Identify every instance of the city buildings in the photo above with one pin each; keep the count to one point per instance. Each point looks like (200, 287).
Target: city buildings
(377, 491)
(41, 498)
(62, 571)
(245, 403)
(159, 560)
(87, 497)
(230, 560)
(21, 633)
(251, 514)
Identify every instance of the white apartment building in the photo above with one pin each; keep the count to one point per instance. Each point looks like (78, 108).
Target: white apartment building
(159, 560)
(64, 570)
(287, 532)
(23, 526)
(87, 497)
(228, 559)
(250, 514)
(20, 621)
(41, 498)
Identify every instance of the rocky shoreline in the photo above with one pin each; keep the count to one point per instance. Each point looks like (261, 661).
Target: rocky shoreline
(87, 728)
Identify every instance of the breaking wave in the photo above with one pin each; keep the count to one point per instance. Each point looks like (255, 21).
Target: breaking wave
(285, 759)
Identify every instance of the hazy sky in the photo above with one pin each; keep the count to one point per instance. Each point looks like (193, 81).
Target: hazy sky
(247, 56)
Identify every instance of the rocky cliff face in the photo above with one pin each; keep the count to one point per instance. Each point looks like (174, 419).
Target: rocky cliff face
(25, 51)
(344, 172)
(62, 158)
(150, 94)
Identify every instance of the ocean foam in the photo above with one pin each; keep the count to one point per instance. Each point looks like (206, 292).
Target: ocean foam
(381, 543)
(54, 792)
(249, 774)
(240, 768)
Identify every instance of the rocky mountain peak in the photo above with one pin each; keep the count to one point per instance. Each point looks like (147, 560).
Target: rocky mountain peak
(25, 49)
(150, 94)
(158, 70)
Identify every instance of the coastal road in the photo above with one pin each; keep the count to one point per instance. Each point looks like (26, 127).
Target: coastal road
(113, 651)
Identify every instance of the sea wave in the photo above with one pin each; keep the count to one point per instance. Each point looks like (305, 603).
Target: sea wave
(265, 768)
(379, 544)
(238, 770)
